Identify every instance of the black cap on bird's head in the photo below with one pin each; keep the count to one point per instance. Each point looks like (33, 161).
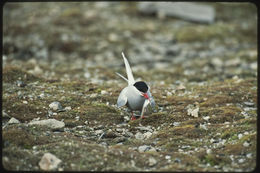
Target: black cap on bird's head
(141, 86)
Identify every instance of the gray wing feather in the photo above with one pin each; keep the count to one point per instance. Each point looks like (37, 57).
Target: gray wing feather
(122, 99)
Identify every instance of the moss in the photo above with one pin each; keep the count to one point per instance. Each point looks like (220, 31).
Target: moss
(25, 137)
(12, 73)
(204, 33)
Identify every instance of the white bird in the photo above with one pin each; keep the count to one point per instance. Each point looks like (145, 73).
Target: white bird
(137, 95)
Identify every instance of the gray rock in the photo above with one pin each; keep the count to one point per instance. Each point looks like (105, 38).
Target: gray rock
(55, 106)
(152, 161)
(13, 121)
(51, 123)
(5, 115)
(20, 83)
(249, 103)
(49, 162)
(139, 136)
(143, 148)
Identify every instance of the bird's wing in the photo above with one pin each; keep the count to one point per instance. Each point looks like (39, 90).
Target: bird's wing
(122, 99)
(129, 73)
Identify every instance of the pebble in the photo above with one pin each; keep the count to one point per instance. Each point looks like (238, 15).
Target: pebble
(143, 148)
(249, 155)
(249, 103)
(25, 102)
(246, 144)
(51, 123)
(193, 111)
(240, 136)
(147, 135)
(13, 121)
(103, 92)
(139, 136)
(99, 132)
(49, 162)
(20, 83)
(5, 115)
(206, 118)
(67, 108)
(55, 106)
(152, 161)
(167, 157)
(209, 151)
(176, 123)
(241, 160)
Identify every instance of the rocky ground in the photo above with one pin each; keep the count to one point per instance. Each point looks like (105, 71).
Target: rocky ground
(60, 88)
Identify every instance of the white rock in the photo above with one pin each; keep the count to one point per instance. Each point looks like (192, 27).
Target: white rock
(206, 118)
(139, 136)
(167, 157)
(51, 123)
(49, 162)
(55, 106)
(193, 111)
(147, 135)
(209, 151)
(152, 161)
(67, 108)
(99, 132)
(246, 144)
(249, 155)
(25, 102)
(143, 148)
(103, 92)
(241, 160)
(240, 136)
(13, 121)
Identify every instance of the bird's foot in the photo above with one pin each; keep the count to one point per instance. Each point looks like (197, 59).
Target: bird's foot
(133, 118)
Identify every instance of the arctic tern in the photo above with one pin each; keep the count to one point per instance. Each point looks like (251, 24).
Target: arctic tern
(136, 96)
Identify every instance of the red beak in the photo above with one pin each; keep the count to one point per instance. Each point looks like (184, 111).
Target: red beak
(146, 95)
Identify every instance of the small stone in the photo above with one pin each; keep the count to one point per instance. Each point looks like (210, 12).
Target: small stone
(193, 111)
(143, 148)
(49, 162)
(25, 102)
(167, 157)
(249, 155)
(249, 103)
(206, 118)
(139, 136)
(20, 83)
(241, 160)
(13, 121)
(176, 123)
(246, 144)
(5, 115)
(147, 135)
(152, 161)
(240, 136)
(177, 160)
(99, 132)
(55, 106)
(209, 151)
(41, 95)
(51, 123)
(67, 108)
(103, 92)
(111, 134)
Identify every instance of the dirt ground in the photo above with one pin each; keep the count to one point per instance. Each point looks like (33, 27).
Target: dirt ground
(203, 78)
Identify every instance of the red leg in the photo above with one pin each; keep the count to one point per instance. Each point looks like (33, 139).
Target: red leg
(133, 117)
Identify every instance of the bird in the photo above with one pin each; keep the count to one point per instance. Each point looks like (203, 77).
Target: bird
(136, 96)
